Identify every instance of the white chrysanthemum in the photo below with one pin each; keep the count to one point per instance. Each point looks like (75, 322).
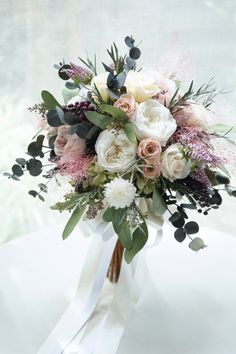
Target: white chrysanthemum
(120, 193)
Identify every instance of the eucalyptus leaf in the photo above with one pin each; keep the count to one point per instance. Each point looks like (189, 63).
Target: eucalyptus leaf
(197, 244)
(108, 214)
(129, 131)
(71, 118)
(17, 170)
(53, 118)
(113, 111)
(129, 41)
(33, 193)
(158, 203)
(41, 197)
(63, 75)
(73, 221)
(34, 149)
(49, 101)
(35, 167)
(21, 162)
(135, 53)
(100, 120)
(180, 235)
(139, 239)
(191, 227)
(124, 236)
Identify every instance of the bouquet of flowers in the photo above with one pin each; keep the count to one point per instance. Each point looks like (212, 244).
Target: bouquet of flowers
(134, 145)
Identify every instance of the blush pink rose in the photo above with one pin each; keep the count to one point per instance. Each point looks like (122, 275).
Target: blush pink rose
(193, 115)
(152, 171)
(68, 147)
(149, 150)
(127, 104)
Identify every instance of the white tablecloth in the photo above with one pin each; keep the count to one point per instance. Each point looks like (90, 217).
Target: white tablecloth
(187, 304)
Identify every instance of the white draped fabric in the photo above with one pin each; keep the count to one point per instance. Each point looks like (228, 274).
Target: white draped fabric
(170, 300)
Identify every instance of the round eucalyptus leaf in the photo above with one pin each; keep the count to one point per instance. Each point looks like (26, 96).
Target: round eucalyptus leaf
(71, 85)
(197, 244)
(17, 170)
(34, 149)
(191, 227)
(177, 220)
(135, 53)
(53, 119)
(216, 199)
(21, 162)
(43, 187)
(180, 235)
(33, 193)
(71, 118)
(35, 167)
(62, 73)
(129, 41)
(222, 179)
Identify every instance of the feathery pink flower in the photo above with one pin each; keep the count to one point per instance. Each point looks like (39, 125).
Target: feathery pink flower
(78, 73)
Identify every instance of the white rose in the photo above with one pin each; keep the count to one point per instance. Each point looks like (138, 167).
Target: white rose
(173, 164)
(114, 150)
(153, 120)
(141, 86)
(100, 81)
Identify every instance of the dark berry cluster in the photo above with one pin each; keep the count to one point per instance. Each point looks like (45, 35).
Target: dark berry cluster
(198, 191)
(78, 108)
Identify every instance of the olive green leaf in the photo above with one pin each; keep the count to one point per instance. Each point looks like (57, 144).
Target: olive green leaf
(100, 120)
(74, 219)
(139, 239)
(49, 101)
(159, 204)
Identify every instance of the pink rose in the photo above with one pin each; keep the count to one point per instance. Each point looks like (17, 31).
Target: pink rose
(193, 115)
(150, 151)
(69, 147)
(152, 171)
(127, 104)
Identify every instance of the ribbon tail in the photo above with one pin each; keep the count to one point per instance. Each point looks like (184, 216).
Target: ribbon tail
(86, 297)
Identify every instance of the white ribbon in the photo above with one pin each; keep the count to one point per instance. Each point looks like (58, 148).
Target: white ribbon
(72, 326)
(86, 297)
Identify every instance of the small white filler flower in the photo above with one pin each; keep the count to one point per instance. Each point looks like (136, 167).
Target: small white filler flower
(120, 193)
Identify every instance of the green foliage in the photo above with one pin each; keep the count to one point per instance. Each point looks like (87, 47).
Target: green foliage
(74, 219)
(129, 131)
(159, 205)
(197, 244)
(100, 120)
(139, 239)
(114, 112)
(49, 101)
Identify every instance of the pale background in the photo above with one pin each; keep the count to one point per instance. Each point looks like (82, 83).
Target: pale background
(35, 34)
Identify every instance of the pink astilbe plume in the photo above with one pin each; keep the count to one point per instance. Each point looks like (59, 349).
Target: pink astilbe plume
(176, 64)
(197, 144)
(76, 169)
(79, 73)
